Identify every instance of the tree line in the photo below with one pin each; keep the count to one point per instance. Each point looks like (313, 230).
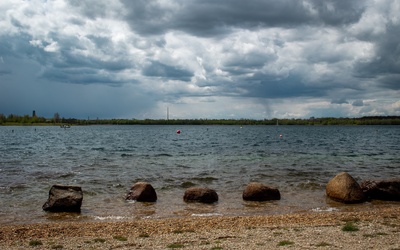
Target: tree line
(57, 120)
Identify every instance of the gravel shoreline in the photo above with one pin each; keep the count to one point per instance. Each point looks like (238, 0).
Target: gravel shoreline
(376, 229)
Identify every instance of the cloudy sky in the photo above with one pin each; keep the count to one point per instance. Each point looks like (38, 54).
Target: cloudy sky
(257, 59)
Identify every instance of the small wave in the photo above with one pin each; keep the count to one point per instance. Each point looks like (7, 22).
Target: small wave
(310, 185)
(16, 187)
(51, 175)
(262, 175)
(124, 150)
(42, 175)
(182, 166)
(67, 175)
(168, 187)
(206, 215)
(329, 209)
(5, 190)
(374, 154)
(163, 155)
(98, 149)
(205, 179)
(126, 155)
(89, 193)
(188, 184)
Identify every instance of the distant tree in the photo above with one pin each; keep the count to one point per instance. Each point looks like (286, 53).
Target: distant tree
(56, 118)
(25, 119)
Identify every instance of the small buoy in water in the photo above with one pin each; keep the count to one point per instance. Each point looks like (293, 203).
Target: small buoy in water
(178, 131)
(280, 136)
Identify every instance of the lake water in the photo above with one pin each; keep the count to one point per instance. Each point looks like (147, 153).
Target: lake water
(107, 160)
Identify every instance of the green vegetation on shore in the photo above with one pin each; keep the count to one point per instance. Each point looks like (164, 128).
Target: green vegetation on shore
(56, 120)
(350, 227)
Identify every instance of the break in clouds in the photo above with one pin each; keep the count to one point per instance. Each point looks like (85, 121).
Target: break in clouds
(202, 59)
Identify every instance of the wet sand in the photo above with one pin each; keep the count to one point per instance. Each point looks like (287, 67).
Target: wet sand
(377, 228)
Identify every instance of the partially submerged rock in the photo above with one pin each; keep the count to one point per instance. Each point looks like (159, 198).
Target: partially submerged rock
(382, 190)
(142, 191)
(200, 194)
(64, 199)
(255, 191)
(344, 188)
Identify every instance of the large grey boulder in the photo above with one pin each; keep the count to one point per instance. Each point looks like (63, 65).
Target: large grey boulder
(344, 188)
(200, 194)
(256, 191)
(64, 199)
(382, 189)
(142, 191)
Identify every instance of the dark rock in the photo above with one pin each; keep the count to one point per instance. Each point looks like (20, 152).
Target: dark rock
(255, 191)
(382, 190)
(200, 194)
(64, 199)
(142, 191)
(344, 188)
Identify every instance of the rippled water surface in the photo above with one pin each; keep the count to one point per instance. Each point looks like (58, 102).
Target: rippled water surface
(107, 160)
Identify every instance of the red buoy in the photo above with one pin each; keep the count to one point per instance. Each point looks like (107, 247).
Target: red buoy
(178, 131)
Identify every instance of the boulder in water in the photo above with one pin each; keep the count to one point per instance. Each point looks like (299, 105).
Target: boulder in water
(142, 191)
(64, 199)
(344, 188)
(256, 191)
(382, 190)
(200, 194)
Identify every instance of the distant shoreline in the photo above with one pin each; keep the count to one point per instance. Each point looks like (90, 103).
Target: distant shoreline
(312, 121)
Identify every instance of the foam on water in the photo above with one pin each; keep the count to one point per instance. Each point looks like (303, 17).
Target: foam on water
(110, 217)
(206, 215)
(326, 209)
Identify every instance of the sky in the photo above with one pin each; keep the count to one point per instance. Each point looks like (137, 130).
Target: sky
(200, 59)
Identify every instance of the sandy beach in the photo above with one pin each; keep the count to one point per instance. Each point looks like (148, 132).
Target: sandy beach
(374, 229)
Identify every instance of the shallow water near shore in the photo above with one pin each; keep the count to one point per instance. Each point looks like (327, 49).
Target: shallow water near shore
(107, 160)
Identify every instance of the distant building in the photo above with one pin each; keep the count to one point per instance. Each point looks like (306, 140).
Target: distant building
(34, 113)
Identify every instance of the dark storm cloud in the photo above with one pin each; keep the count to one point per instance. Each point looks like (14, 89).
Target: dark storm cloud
(340, 100)
(157, 69)
(338, 12)
(358, 103)
(17, 46)
(108, 56)
(387, 60)
(65, 65)
(239, 64)
(91, 8)
(266, 86)
(82, 76)
(311, 55)
(384, 67)
(391, 81)
(213, 18)
(5, 72)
